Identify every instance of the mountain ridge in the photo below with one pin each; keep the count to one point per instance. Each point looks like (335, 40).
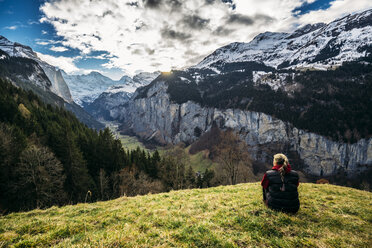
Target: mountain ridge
(293, 52)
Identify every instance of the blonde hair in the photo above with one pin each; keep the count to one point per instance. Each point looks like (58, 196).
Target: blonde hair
(281, 159)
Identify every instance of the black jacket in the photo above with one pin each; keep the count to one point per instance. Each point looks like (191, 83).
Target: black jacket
(282, 196)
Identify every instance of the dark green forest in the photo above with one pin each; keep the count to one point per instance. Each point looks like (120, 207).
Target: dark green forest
(48, 157)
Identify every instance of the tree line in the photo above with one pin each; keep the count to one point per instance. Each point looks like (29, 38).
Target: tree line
(48, 157)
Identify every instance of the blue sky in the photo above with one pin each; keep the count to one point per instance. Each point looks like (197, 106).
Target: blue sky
(128, 36)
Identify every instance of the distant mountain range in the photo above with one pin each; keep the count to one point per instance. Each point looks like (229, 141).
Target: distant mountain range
(106, 104)
(20, 64)
(24, 68)
(86, 88)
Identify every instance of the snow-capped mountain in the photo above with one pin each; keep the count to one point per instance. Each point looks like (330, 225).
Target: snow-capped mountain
(104, 106)
(129, 85)
(58, 84)
(318, 46)
(33, 74)
(144, 78)
(21, 65)
(86, 88)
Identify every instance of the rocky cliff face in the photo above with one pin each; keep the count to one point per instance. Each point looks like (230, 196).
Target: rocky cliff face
(156, 118)
(58, 85)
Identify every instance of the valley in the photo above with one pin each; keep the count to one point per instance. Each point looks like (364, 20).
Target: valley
(310, 101)
(186, 123)
(128, 142)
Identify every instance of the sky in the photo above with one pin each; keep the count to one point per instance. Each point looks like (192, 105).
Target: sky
(117, 37)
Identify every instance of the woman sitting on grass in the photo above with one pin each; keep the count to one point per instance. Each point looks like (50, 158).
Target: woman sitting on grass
(279, 186)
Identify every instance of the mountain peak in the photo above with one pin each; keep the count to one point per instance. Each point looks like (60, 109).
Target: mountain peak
(3, 38)
(95, 73)
(125, 79)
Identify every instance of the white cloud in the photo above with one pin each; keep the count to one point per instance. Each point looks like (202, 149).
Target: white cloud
(43, 32)
(45, 42)
(11, 27)
(32, 22)
(42, 43)
(65, 63)
(58, 49)
(165, 34)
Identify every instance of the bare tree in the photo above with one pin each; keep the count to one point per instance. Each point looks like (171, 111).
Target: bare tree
(40, 174)
(234, 162)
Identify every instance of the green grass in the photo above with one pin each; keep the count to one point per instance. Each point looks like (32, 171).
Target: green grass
(200, 161)
(229, 216)
(130, 142)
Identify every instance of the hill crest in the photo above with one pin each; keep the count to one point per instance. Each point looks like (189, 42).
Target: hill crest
(225, 216)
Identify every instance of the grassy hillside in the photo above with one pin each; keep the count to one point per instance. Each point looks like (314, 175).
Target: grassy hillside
(229, 216)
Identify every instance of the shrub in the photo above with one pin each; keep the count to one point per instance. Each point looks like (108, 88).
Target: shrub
(322, 181)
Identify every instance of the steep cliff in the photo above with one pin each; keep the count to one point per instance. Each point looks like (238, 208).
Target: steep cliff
(156, 118)
(58, 85)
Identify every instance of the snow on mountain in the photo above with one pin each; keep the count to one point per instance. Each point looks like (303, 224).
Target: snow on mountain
(59, 86)
(106, 105)
(26, 70)
(319, 45)
(145, 78)
(86, 88)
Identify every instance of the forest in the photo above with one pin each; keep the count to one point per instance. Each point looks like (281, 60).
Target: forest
(48, 157)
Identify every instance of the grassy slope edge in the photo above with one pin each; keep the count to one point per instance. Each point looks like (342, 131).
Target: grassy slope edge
(225, 216)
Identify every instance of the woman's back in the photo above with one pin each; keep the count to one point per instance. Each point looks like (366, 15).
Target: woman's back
(282, 195)
(280, 186)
